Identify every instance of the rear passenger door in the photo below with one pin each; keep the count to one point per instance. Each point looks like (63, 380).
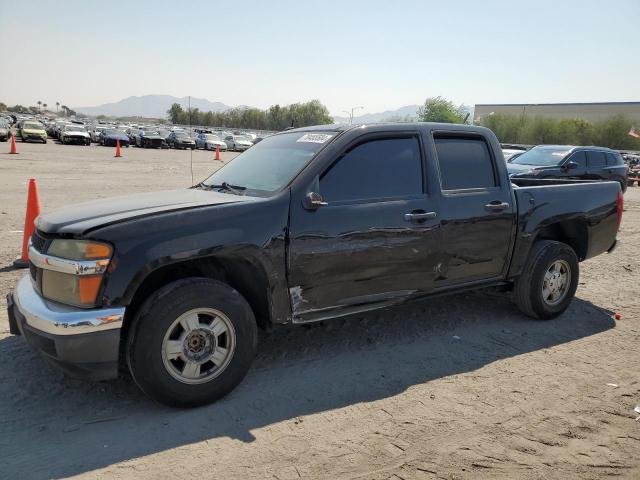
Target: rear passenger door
(596, 165)
(476, 209)
(375, 241)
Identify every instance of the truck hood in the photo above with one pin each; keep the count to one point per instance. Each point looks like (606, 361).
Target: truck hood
(77, 219)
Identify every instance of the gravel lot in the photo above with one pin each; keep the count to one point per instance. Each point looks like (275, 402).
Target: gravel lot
(457, 387)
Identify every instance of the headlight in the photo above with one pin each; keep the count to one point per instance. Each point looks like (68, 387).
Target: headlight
(80, 291)
(80, 250)
(76, 289)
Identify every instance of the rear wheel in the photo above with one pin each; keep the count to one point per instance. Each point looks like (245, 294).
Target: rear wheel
(548, 281)
(192, 342)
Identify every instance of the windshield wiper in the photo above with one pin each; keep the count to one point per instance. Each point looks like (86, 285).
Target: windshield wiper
(237, 189)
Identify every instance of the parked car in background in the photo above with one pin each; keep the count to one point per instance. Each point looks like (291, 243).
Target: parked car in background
(32, 130)
(110, 136)
(209, 141)
(75, 134)
(5, 130)
(180, 140)
(570, 162)
(238, 142)
(96, 132)
(511, 153)
(150, 139)
(132, 133)
(164, 133)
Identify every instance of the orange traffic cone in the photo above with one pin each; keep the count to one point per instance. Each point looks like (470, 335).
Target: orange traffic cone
(33, 210)
(218, 152)
(117, 155)
(13, 148)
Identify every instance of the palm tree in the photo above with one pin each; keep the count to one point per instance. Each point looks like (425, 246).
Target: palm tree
(57, 105)
(45, 106)
(39, 103)
(65, 109)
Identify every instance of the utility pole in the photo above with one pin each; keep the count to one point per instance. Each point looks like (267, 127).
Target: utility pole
(350, 113)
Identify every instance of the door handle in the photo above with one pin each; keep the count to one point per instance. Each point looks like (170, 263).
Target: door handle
(496, 206)
(417, 216)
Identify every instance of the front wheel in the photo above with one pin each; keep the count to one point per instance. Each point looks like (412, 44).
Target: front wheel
(192, 342)
(548, 281)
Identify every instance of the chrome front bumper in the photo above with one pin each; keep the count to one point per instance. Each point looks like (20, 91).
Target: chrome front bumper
(58, 319)
(83, 343)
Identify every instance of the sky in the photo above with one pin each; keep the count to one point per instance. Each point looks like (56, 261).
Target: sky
(377, 54)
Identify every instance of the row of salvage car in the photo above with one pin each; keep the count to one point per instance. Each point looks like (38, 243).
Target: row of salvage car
(78, 132)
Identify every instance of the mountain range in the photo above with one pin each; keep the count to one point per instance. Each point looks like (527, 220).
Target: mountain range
(156, 106)
(402, 112)
(150, 106)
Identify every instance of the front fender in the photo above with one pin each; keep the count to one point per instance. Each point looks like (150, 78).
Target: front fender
(254, 231)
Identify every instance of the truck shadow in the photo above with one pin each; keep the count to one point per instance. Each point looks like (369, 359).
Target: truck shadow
(58, 427)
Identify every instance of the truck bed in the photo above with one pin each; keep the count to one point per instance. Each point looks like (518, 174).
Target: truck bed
(583, 212)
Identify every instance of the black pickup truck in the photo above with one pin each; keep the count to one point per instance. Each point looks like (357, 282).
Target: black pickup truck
(307, 225)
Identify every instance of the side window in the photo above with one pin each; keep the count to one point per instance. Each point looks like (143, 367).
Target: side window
(465, 162)
(580, 158)
(614, 159)
(383, 168)
(596, 159)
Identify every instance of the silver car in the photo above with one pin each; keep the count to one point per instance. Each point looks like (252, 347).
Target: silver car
(210, 141)
(238, 142)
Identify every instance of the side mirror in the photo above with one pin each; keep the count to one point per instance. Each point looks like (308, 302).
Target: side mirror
(313, 201)
(570, 165)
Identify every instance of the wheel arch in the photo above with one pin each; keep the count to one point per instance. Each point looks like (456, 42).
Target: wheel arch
(574, 233)
(248, 278)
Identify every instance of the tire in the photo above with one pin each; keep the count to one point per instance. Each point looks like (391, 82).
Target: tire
(156, 321)
(528, 292)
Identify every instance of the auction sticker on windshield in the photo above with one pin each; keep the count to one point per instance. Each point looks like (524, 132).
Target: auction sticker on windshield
(315, 138)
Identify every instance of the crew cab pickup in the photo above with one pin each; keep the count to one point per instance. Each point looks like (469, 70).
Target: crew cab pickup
(307, 225)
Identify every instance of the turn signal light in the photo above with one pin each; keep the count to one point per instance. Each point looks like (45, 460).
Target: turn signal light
(88, 288)
(97, 250)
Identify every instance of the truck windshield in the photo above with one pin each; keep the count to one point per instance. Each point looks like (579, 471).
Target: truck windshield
(271, 164)
(542, 156)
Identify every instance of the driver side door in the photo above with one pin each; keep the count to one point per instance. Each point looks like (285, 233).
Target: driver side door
(376, 241)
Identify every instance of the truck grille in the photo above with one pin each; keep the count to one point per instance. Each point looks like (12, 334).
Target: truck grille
(38, 242)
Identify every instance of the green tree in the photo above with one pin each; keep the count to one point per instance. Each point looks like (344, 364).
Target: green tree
(611, 132)
(438, 109)
(17, 109)
(3, 107)
(175, 112)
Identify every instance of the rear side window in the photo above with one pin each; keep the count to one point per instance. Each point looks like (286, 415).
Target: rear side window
(596, 159)
(383, 168)
(614, 159)
(465, 162)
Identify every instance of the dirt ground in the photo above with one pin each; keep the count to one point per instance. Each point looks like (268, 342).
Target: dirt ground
(457, 387)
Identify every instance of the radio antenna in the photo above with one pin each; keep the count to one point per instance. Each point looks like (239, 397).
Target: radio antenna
(190, 150)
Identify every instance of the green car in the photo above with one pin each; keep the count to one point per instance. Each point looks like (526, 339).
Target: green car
(30, 130)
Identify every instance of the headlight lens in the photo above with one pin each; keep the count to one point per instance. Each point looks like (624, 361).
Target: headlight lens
(70, 289)
(77, 290)
(79, 250)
